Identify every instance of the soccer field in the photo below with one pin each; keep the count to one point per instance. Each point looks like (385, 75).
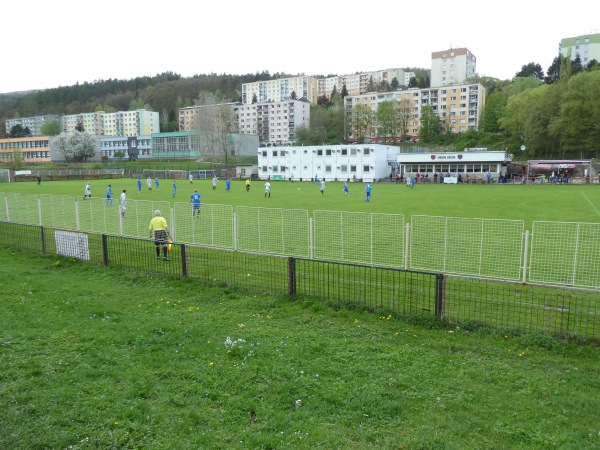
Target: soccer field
(556, 203)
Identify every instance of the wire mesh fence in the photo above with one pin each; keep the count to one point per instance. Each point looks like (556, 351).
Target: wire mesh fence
(557, 253)
(563, 311)
(273, 230)
(505, 305)
(565, 253)
(364, 238)
(479, 247)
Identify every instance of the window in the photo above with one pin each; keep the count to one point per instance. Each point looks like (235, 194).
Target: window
(352, 152)
(366, 169)
(264, 168)
(328, 152)
(344, 168)
(327, 169)
(320, 152)
(274, 152)
(366, 150)
(344, 151)
(352, 168)
(264, 153)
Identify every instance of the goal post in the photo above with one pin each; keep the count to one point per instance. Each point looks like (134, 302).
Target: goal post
(4, 176)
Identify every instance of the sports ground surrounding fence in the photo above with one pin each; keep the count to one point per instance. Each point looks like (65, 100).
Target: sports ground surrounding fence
(521, 307)
(486, 248)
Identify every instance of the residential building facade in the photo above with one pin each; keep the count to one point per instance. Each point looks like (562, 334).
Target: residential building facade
(458, 107)
(361, 83)
(274, 123)
(452, 66)
(28, 149)
(33, 123)
(122, 123)
(281, 89)
(586, 46)
(353, 162)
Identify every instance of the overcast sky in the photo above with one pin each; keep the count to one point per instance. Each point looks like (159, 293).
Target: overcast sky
(48, 44)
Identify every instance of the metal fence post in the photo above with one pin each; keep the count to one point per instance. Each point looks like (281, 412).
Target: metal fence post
(43, 240)
(184, 266)
(105, 249)
(235, 243)
(407, 246)
(310, 238)
(40, 212)
(7, 210)
(292, 276)
(440, 295)
(525, 256)
(77, 215)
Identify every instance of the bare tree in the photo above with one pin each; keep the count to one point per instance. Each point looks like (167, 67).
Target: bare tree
(213, 124)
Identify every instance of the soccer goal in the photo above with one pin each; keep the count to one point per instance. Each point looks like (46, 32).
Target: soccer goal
(4, 176)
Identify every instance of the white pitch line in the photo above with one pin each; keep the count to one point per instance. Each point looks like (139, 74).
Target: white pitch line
(591, 204)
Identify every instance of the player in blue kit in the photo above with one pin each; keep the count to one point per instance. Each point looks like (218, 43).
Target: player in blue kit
(195, 200)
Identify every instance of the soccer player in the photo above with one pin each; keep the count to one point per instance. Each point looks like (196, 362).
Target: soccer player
(139, 182)
(156, 183)
(123, 201)
(149, 183)
(268, 189)
(195, 200)
(345, 188)
(174, 186)
(368, 189)
(109, 195)
(158, 225)
(248, 185)
(191, 178)
(228, 184)
(322, 186)
(87, 192)
(214, 182)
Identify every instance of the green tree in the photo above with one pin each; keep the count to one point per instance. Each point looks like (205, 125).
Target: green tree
(430, 124)
(531, 70)
(79, 127)
(18, 131)
(387, 120)
(494, 110)
(362, 122)
(344, 92)
(578, 124)
(51, 128)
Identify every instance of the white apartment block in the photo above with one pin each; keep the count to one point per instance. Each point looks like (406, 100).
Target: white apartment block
(275, 122)
(280, 90)
(452, 66)
(459, 107)
(359, 83)
(33, 123)
(353, 162)
(586, 46)
(122, 123)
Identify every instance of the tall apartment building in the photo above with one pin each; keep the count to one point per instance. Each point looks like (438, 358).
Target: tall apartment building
(452, 66)
(280, 90)
(275, 122)
(459, 107)
(92, 122)
(33, 123)
(130, 123)
(122, 123)
(586, 46)
(361, 83)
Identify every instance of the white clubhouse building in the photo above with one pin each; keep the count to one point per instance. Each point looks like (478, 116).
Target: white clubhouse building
(352, 162)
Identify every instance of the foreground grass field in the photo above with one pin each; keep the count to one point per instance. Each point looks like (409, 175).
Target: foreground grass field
(561, 203)
(93, 357)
